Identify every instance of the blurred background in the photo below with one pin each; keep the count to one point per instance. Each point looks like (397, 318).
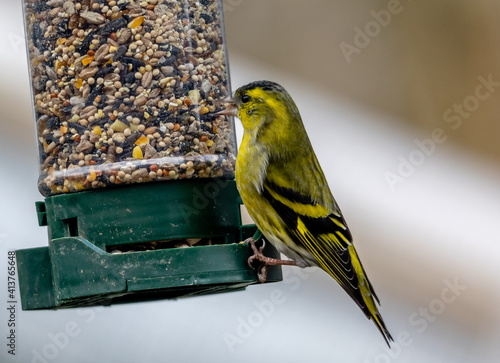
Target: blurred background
(401, 101)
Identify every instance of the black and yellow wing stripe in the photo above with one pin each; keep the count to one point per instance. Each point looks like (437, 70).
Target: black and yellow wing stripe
(324, 234)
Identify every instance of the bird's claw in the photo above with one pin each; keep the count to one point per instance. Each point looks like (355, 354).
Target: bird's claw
(257, 251)
(264, 261)
(259, 256)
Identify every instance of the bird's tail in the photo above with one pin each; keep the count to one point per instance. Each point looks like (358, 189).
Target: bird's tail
(369, 297)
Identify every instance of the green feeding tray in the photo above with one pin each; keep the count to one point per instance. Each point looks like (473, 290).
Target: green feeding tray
(122, 244)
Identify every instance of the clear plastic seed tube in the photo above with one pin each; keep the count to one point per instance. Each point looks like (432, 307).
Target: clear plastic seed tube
(125, 91)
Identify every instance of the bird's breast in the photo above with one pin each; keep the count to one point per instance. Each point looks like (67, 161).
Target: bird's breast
(251, 165)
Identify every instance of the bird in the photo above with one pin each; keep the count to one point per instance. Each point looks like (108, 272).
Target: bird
(285, 192)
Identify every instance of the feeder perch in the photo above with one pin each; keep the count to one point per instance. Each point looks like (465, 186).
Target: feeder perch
(82, 264)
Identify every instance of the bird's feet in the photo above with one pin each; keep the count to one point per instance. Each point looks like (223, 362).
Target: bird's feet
(264, 261)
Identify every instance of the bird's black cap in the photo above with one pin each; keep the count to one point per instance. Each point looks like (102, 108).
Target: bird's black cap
(264, 85)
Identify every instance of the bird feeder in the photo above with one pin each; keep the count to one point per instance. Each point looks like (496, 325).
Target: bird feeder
(136, 168)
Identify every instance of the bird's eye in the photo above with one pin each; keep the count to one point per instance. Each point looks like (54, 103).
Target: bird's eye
(245, 98)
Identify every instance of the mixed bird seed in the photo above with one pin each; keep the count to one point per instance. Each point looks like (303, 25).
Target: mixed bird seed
(125, 91)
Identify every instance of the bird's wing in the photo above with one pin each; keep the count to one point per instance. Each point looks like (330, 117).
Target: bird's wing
(323, 233)
(316, 230)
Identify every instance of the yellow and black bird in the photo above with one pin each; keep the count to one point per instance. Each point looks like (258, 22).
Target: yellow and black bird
(286, 193)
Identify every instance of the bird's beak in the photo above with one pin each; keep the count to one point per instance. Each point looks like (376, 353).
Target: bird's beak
(231, 108)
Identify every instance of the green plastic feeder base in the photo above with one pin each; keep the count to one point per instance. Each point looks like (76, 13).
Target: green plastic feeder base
(116, 245)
